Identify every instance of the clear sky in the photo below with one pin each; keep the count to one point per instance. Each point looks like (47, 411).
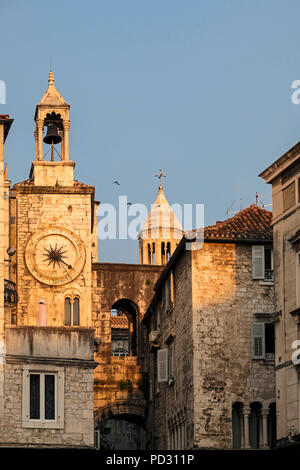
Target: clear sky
(201, 89)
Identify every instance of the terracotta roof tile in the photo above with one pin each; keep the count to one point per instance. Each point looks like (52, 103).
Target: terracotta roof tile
(252, 223)
(120, 322)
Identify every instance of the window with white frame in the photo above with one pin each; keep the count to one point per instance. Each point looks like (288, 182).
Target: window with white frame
(165, 364)
(262, 262)
(43, 397)
(263, 340)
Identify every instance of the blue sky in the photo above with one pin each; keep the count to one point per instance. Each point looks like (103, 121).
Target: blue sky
(201, 89)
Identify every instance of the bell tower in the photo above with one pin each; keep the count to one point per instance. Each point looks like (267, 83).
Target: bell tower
(52, 113)
(162, 231)
(56, 223)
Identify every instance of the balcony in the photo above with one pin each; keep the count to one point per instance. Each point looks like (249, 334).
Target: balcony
(10, 293)
(46, 343)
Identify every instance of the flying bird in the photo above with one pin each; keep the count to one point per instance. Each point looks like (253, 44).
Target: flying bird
(116, 182)
(129, 203)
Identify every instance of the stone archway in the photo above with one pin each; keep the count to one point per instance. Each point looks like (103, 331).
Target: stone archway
(122, 425)
(128, 308)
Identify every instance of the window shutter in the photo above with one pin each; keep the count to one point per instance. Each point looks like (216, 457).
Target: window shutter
(258, 340)
(162, 365)
(170, 363)
(258, 262)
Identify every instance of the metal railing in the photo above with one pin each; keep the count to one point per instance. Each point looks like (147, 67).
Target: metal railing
(269, 275)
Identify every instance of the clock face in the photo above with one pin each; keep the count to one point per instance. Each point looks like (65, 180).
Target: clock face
(55, 256)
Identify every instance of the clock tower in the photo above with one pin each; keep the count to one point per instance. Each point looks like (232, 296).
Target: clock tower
(56, 226)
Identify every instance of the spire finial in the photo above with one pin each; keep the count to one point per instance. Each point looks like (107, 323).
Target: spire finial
(51, 74)
(160, 176)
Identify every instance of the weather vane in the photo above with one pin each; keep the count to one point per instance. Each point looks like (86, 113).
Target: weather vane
(160, 176)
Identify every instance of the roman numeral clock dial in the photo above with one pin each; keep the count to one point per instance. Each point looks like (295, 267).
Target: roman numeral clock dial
(55, 256)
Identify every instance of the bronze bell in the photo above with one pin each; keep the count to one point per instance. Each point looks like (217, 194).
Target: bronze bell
(52, 136)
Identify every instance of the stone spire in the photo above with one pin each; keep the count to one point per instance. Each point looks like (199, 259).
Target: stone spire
(161, 232)
(52, 97)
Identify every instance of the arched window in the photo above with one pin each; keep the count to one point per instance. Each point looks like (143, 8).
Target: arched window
(255, 425)
(124, 327)
(168, 251)
(237, 425)
(272, 425)
(76, 312)
(72, 311)
(68, 311)
(163, 254)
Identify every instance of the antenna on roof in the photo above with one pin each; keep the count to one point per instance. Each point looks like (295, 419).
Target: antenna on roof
(229, 211)
(259, 202)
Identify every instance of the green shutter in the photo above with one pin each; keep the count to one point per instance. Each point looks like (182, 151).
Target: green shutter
(258, 340)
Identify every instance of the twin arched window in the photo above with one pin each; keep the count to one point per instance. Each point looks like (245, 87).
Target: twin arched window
(72, 313)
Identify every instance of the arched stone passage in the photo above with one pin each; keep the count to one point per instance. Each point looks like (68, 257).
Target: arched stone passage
(237, 426)
(121, 426)
(130, 309)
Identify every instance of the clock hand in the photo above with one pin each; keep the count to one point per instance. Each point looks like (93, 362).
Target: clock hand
(62, 261)
(67, 271)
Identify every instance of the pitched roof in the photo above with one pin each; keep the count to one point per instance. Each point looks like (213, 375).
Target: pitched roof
(52, 97)
(120, 322)
(253, 223)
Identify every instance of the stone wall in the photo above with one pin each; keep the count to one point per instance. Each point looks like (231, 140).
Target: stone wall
(174, 402)
(39, 208)
(112, 283)
(216, 301)
(78, 412)
(286, 224)
(2, 256)
(225, 302)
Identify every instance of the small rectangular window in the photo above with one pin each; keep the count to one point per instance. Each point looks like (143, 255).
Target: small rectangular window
(288, 195)
(42, 396)
(263, 340)
(262, 262)
(49, 396)
(34, 396)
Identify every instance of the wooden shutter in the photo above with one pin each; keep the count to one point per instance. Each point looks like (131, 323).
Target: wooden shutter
(258, 340)
(170, 361)
(162, 365)
(258, 262)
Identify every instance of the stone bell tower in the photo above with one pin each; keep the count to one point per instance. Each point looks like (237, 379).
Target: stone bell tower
(162, 231)
(56, 226)
(52, 112)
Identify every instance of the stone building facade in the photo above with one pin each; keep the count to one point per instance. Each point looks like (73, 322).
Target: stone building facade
(61, 316)
(211, 346)
(284, 176)
(47, 243)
